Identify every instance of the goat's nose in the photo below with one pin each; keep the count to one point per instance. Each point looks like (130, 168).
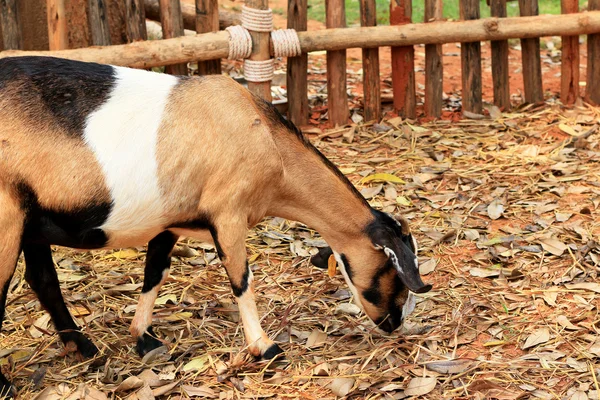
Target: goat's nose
(389, 325)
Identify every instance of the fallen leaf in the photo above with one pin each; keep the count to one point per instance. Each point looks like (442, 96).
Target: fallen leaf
(591, 286)
(164, 299)
(321, 370)
(316, 338)
(341, 386)
(164, 390)
(42, 323)
(203, 391)
(331, 266)
(579, 395)
(565, 323)
(539, 336)
(347, 308)
(391, 387)
(370, 192)
(382, 177)
(495, 209)
(428, 266)
(455, 366)
(553, 246)
(197, 364)
(132, 382)
(420, 386)
(567, 129)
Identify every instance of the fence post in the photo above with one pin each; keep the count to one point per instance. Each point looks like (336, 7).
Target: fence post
(297, 67)
(403, 63)
(470, 57)
(434, 68)
(9, 23)
(569, 80)
(592, 91)
(500, 61)
(135, 20)
(207, 20)
(337, 95)
(371, 84)
(57, 25)
(261, 42)
(172, 26)
(98, 21)
(532, 66)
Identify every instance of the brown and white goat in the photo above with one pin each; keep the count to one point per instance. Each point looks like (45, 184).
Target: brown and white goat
(95, 156)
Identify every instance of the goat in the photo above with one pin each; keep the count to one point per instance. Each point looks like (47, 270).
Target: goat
(95, 157)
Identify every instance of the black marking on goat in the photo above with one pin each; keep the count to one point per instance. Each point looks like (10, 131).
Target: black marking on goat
(273, 351)
(147, 342)
(68, 90)
(240, 289)
(347, 266)
(158, 259)
(276, 118)
(41, 275)
(201, 223)
(77, 228)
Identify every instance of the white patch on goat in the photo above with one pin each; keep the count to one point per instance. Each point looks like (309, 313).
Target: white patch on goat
(145, 307)
(353, 289)
(409, 305)
(390, 253)
(258, 341)
(123, 135)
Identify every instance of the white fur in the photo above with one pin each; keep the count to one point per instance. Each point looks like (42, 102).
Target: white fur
(409, 305)
(123, 135)
(338, 258)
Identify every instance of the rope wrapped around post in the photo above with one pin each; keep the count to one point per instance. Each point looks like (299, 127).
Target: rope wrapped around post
(285, 43)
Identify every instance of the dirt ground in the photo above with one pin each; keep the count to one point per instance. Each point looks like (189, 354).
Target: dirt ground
(506, 213)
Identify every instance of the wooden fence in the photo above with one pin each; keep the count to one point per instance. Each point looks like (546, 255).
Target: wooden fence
(212, 43)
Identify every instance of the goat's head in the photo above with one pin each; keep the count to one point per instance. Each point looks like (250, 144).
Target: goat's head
(382, 271)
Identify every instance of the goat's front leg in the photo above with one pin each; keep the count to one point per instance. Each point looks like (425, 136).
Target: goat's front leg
(229, 238)
(158, 261)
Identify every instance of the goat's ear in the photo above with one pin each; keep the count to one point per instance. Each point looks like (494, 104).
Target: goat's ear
(403, 224)
(408, 270)
(321, 259)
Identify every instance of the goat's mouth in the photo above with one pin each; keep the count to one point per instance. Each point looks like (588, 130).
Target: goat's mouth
(389, 323)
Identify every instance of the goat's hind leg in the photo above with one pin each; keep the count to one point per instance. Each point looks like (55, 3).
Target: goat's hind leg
(41, 276)
(11, 228)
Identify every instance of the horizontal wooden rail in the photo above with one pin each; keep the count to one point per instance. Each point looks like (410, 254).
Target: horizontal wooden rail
(146, 54)
(210, 46)
(188, 11)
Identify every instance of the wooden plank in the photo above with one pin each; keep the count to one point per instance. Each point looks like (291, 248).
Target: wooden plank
(226, 18)
(500, 61)
(261, 43)
(592, 90)
(98, 21)
(569, 87)
(532, 66)
(297, 67)
(207, 20)
(172, 26)
(337, 95)
(135, 20)
(403, 63)
(470, 57)
(434, 68)
(57, 25)
(371, 83)
(9, 25)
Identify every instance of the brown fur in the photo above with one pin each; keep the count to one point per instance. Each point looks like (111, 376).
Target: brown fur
(60, 169)
(11, 226)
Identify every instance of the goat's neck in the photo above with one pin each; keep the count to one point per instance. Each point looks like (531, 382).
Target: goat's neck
(313, 194)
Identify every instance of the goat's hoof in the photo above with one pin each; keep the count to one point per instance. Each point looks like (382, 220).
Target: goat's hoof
(7, 391)
(85, 347)
(147, 342)
(273, 351)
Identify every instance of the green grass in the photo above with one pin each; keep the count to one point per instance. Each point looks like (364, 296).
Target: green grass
(316, 10)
